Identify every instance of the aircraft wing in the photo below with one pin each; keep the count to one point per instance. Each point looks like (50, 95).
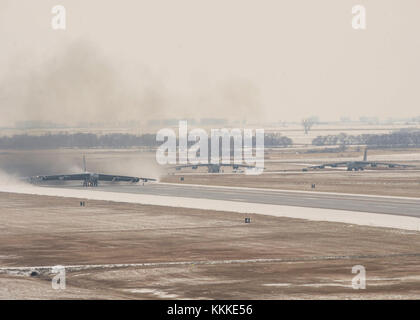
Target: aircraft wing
(194, 166)
(63, 177)
(116, 178)
(236, 165)
(391, 165)
(332, 165)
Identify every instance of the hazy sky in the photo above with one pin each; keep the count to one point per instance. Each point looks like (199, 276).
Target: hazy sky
(241, 59)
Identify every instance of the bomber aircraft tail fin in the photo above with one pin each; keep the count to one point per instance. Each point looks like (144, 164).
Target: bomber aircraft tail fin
(365, 155)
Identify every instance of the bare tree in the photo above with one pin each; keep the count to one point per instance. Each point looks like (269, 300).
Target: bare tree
(307, 124)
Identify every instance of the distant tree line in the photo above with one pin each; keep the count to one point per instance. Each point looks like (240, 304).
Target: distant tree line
(339, 139)
(277, 140)
(113, 140)
(403, 138)
(76, 140)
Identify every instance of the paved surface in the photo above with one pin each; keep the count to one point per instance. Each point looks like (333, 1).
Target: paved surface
(395, 206)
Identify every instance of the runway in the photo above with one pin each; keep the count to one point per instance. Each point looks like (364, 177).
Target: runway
(361, 203)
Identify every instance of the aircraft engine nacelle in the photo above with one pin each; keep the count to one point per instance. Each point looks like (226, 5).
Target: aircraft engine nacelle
(36, 179)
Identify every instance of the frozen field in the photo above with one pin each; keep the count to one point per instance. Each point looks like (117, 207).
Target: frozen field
(126, 250)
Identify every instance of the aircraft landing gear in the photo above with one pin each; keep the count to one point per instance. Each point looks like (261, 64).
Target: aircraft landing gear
(90, 183)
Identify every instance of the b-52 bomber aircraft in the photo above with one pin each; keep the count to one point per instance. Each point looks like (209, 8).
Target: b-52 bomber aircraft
(89, 179)
(214, 167)
(358, 165)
